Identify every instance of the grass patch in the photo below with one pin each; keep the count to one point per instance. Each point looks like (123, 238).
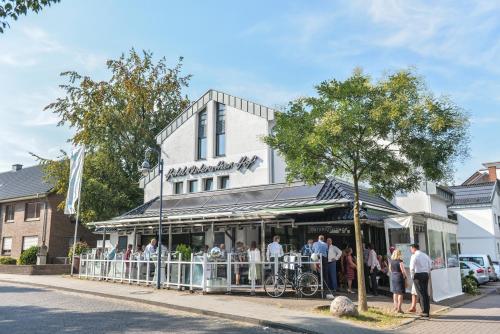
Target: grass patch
(374, 317)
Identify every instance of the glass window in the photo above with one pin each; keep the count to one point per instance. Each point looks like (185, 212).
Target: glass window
(6, 245)
(436, 249)
(208, 184)
(9, 213)
(29, 241)
(193, 186)
(202, 135)
(451, 248)
(224, 182)
(32, 210)
(178, 187)
(220, 130)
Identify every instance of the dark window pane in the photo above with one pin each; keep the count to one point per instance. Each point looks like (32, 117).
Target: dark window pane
(209, 184)
(220, 130)
(202, 148)
(178, 187)
(32, 210)
(202, 135)
(224, 182)
(193, 186)
(221, 145)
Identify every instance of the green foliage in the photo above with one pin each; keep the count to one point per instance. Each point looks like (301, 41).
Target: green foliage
(392, 134)
(116, 120)
(7, 260)
(28, 256)
(185, 251)
(80, 247)
(469, 284)
(14, 8)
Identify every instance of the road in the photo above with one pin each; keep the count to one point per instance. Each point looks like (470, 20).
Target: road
(39, 310)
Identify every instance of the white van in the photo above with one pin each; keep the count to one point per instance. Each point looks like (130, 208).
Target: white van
(483, 260)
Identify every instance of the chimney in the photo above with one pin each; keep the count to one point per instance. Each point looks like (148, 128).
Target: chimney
(16, 167)
(492, 173)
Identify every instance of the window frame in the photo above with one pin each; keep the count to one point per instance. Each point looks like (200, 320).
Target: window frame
(4, 251)
(13, 206)
(181, 183)
(205, 184)
(190, 183)
(220, 131)
(38, 209)
(220, 181)
(24, 238)
(202, 135)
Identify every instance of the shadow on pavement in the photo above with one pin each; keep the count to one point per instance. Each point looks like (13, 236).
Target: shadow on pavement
(19, 289)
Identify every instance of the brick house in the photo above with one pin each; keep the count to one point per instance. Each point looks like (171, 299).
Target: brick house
(29, 216)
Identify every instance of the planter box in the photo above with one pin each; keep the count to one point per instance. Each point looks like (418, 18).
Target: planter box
(45, 269)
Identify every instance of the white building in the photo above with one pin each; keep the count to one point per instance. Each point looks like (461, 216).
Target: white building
(477, 207)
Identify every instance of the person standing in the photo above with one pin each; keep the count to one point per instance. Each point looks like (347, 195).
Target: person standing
(253, 254)
(148, 256)
(366, 272)
(398, 279)
(274, 249)
(374, 267)
(307, 249)
(321, 248)
(420, 268)
(334, 254)
(349, 268)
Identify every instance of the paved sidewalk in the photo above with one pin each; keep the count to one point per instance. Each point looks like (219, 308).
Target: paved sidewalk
(288, 313)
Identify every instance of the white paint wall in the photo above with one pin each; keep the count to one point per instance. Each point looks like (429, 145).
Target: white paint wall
(244, 133)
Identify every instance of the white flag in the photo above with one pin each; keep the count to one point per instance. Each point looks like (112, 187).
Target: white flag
(75, 179)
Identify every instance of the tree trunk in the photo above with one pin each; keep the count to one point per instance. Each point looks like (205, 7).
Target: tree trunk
(362, 304)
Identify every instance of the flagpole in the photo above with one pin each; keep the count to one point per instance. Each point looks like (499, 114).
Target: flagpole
(76, 230)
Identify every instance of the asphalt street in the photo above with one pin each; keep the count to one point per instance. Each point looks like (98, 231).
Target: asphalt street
(38, 310)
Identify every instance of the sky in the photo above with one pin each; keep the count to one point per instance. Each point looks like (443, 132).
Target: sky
(269, 52)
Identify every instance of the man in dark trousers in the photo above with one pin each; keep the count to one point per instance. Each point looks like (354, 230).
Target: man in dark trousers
(420, 269)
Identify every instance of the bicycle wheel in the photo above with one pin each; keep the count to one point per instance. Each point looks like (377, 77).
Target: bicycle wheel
(308, 284)
(274, 286)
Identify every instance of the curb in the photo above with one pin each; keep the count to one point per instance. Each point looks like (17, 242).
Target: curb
(249, 320)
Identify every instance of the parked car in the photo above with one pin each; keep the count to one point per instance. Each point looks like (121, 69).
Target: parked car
(496, 266)
(480, 274)
(483, 260)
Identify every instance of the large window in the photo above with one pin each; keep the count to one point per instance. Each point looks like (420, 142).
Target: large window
(29, 241)
(202, 135)
(178, 187)
(32, 210)
(193, 186)
(208, 184)
(9, 213)
(6, 245)
(436, 249)
(220, 130)
(451, 249)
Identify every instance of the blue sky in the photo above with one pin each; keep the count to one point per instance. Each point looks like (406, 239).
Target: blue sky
(266, 51)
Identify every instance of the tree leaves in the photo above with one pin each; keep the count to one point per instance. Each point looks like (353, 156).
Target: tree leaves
(14, 8)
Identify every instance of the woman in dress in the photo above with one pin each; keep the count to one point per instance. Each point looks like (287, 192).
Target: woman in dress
(349, 268)
(398, 279)
(254, 259)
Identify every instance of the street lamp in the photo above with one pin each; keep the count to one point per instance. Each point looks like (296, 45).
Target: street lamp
(145, 170)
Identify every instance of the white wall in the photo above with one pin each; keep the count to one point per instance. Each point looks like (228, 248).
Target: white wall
(244, 133)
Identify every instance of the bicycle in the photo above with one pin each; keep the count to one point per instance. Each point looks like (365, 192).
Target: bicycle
(305, 284)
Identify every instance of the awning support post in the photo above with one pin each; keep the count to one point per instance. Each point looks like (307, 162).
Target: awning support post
(170, 238)
(103, 242)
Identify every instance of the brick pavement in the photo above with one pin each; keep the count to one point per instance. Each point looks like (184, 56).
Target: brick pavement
(481, 316)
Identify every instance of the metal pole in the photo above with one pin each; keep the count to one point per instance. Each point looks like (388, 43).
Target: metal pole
(76, 231)
(160, 166)
(169, 238)
(103, 242)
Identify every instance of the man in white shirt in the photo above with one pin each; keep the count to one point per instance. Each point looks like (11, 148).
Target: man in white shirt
(150, 249)
(420, 268)
(274, 249)
(334, 254)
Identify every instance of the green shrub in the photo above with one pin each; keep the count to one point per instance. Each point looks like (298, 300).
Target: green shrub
(7, 260)
(185, 251)
(28, 256)
(469, 284)
(81, 247)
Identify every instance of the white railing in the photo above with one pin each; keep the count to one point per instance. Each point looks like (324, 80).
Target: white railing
(198, 273)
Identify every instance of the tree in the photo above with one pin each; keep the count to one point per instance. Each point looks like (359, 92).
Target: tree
(14, 8)
(116, 120)
(392, 134)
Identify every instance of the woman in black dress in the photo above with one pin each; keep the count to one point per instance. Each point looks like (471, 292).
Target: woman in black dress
(398, 278)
